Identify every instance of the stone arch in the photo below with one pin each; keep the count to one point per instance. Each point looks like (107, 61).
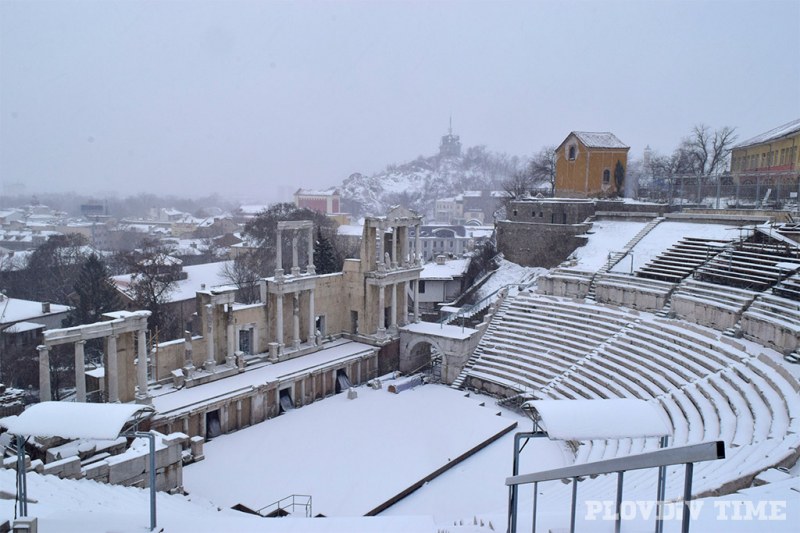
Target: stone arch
(418, 353)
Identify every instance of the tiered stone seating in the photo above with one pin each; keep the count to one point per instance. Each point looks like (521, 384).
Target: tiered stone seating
(709, 304)
(748, 266)
(638, 293)
(788, 288)
(710, 387)
(773, 321)
(533, 339)
(565, 282)
(681, 259)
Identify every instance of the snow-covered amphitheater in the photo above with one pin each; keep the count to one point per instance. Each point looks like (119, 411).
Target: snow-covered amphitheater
(699, 319)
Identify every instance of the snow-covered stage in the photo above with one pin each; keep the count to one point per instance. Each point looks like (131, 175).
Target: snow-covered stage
(352, 456)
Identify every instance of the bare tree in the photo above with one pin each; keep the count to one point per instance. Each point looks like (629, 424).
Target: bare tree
(154, 275)
(243, 272)
(518, 186)
(542, 167)
(706, 152)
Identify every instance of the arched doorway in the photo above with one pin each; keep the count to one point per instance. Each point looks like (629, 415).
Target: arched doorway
(425, 357)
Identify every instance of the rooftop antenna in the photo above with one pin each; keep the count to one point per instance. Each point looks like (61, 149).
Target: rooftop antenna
(450, 131)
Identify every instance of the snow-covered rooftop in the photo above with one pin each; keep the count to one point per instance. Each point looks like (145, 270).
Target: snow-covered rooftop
(16, 310)
(73, 420)
(350, 230)
(773, 134)
(600, 419)
(208, 274)
(599, 139)
(449, 270)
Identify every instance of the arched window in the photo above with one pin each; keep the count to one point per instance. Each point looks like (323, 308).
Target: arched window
(571, 156)
(606, 176)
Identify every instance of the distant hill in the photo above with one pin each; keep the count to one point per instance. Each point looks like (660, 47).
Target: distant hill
(418, 183)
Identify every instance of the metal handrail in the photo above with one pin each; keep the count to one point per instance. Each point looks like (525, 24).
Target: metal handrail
(462, 312)
(688, 455)
(279, 505)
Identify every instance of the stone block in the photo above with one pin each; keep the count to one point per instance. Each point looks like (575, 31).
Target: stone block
(26, 524)
(65, 468)
(197, 448)
(98, 471)
(126, 470)
(36, 466)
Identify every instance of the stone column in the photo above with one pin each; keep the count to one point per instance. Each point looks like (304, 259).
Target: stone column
(381, 320)
(44, 373)
(279, 253)
(379, 230)
(312, 319)
(279, 319)
(112, 372)
(231, 337)
(310, 268)
(210, 356)
(404, 314)
(418, 259)
(394, 247)
(416, 300)
(296, 320)
(393, 326)
(403, 238)
(141, 368)
(188, 361)
(80, 371)
(295, 262)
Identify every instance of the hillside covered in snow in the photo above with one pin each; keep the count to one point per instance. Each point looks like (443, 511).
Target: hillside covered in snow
(419, 183)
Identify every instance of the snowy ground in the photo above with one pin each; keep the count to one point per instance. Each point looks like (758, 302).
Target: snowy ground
(606, 236)
(507, 273)
(349, 455)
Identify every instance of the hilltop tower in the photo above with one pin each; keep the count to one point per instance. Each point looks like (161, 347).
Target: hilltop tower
(451, 144)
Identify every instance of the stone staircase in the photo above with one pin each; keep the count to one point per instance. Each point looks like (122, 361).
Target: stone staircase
(616, 257)
(476, 354)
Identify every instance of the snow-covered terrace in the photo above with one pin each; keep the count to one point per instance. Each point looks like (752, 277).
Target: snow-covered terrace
(171, 401)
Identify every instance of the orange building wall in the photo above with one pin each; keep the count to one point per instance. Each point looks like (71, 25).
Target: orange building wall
(583, 177)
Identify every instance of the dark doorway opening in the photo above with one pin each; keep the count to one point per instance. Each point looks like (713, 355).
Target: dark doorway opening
(342, 381)
(213, 426)
(285, 399)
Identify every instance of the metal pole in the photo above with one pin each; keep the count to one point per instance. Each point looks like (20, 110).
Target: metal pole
(662, 485)
(152, 474)
(512, 489)
(618, 505)
(22, 485)
(535, 502)
(687, 497)
(573, 505)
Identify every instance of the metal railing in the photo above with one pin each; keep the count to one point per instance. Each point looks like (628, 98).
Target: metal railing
(286, 506)
(687, 455)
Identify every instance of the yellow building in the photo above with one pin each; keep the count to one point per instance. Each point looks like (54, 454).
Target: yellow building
(768, 157)
(586, 163)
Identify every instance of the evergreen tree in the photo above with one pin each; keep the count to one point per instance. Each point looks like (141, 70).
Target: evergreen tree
(326, 259)
(95, 293)
(619, 177)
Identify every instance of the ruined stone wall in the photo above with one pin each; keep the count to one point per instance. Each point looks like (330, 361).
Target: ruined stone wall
(353, 287)
(539, 245)
(257, 315)
(331, 301)
(550, 211)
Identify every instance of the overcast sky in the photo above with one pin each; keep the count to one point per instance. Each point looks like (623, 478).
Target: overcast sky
(255, 99)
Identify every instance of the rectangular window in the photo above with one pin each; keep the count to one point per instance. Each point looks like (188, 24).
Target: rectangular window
(421, 286)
